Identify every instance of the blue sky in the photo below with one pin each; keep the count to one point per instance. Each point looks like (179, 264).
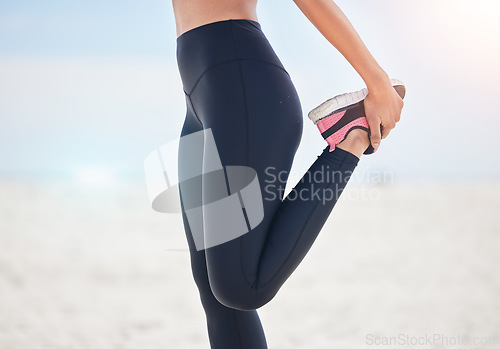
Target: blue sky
(93, 85)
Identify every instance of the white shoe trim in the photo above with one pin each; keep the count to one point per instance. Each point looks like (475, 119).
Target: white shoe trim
(330, 106)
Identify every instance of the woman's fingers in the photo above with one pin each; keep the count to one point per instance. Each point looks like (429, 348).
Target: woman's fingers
(387, 126)
(374, 124)
(383, 111)
(392, 117)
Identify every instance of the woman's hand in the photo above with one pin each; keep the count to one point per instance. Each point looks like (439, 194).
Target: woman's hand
(383, 104)
(383, 108)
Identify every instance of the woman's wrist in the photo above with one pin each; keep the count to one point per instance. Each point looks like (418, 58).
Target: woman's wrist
(377, 80)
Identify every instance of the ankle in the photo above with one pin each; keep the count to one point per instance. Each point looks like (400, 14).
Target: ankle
(356, 142)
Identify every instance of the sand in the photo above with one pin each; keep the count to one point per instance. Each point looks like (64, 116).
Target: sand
(85, 266)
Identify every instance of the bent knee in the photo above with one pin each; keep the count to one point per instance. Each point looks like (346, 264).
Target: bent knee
(243, 299)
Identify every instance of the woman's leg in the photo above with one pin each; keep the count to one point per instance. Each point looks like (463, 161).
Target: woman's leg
(237, 88)
(254, 114)
(228, 328)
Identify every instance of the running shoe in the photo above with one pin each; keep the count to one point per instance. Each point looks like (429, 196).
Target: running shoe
(338, 116)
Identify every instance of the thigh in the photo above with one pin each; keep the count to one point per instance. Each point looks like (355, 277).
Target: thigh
(255, 116)
(227, 327)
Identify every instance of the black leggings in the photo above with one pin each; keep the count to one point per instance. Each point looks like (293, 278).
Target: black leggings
(236, 86)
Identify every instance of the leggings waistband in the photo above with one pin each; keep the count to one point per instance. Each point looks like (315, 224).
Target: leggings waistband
(214, 43)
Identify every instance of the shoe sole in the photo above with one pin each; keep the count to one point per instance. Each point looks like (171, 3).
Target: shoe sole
(344, 101)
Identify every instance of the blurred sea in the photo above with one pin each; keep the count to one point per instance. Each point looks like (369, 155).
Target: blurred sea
(85, 266)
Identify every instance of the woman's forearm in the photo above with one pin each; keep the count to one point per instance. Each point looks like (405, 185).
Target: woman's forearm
(327, 17)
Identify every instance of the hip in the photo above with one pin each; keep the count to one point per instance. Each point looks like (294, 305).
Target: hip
(210, 45)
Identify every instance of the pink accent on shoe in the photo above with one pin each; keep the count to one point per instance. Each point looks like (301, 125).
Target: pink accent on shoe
(340, 135)
(329, 121)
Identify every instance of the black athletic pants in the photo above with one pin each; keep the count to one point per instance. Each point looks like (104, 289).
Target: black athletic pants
(237, 88)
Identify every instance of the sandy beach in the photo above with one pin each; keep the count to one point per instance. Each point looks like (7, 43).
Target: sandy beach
(95, 267)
